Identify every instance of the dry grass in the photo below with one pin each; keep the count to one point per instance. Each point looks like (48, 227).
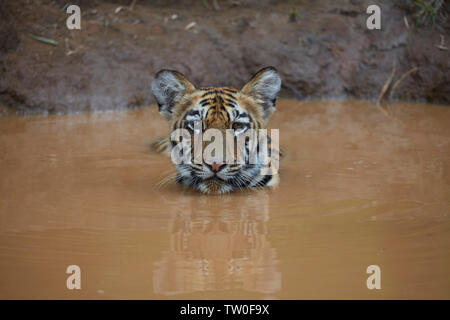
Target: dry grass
(388, 83)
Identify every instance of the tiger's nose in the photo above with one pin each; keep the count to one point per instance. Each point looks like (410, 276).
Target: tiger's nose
(215, 167)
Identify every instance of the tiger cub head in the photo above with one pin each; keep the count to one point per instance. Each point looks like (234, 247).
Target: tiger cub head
(193, 109)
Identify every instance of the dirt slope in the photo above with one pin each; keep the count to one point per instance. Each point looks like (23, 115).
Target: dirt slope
(109, 64)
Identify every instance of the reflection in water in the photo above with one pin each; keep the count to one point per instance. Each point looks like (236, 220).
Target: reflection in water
(227, 249)
(358, 187)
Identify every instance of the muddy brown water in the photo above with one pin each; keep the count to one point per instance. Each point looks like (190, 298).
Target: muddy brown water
(359, 186)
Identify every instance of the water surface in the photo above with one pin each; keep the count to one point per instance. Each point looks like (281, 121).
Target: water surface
(360, 186)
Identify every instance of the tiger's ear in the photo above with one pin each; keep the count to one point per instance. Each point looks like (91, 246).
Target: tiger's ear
(263, 87)
(168, 88)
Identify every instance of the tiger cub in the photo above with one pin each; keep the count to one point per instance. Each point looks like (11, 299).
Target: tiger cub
(197, 110)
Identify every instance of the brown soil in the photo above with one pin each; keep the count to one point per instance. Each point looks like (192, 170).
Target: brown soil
(109, 64)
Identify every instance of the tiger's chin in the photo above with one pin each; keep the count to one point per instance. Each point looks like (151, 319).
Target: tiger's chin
(216, 185)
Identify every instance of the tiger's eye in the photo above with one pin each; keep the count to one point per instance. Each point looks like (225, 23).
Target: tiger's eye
(238, 126)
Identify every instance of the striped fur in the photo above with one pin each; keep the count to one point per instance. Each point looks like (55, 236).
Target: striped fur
(220, 108)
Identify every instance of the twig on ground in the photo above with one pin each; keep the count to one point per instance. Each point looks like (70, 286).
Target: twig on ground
(406, 22)
(44, 40)
(442, 44)
(386, 86)
(407, 73)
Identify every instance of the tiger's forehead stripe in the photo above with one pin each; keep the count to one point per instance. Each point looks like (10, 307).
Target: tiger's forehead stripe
(218, 104)
(218, 107)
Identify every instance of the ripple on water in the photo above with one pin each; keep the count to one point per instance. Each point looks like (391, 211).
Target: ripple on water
(358, 187)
